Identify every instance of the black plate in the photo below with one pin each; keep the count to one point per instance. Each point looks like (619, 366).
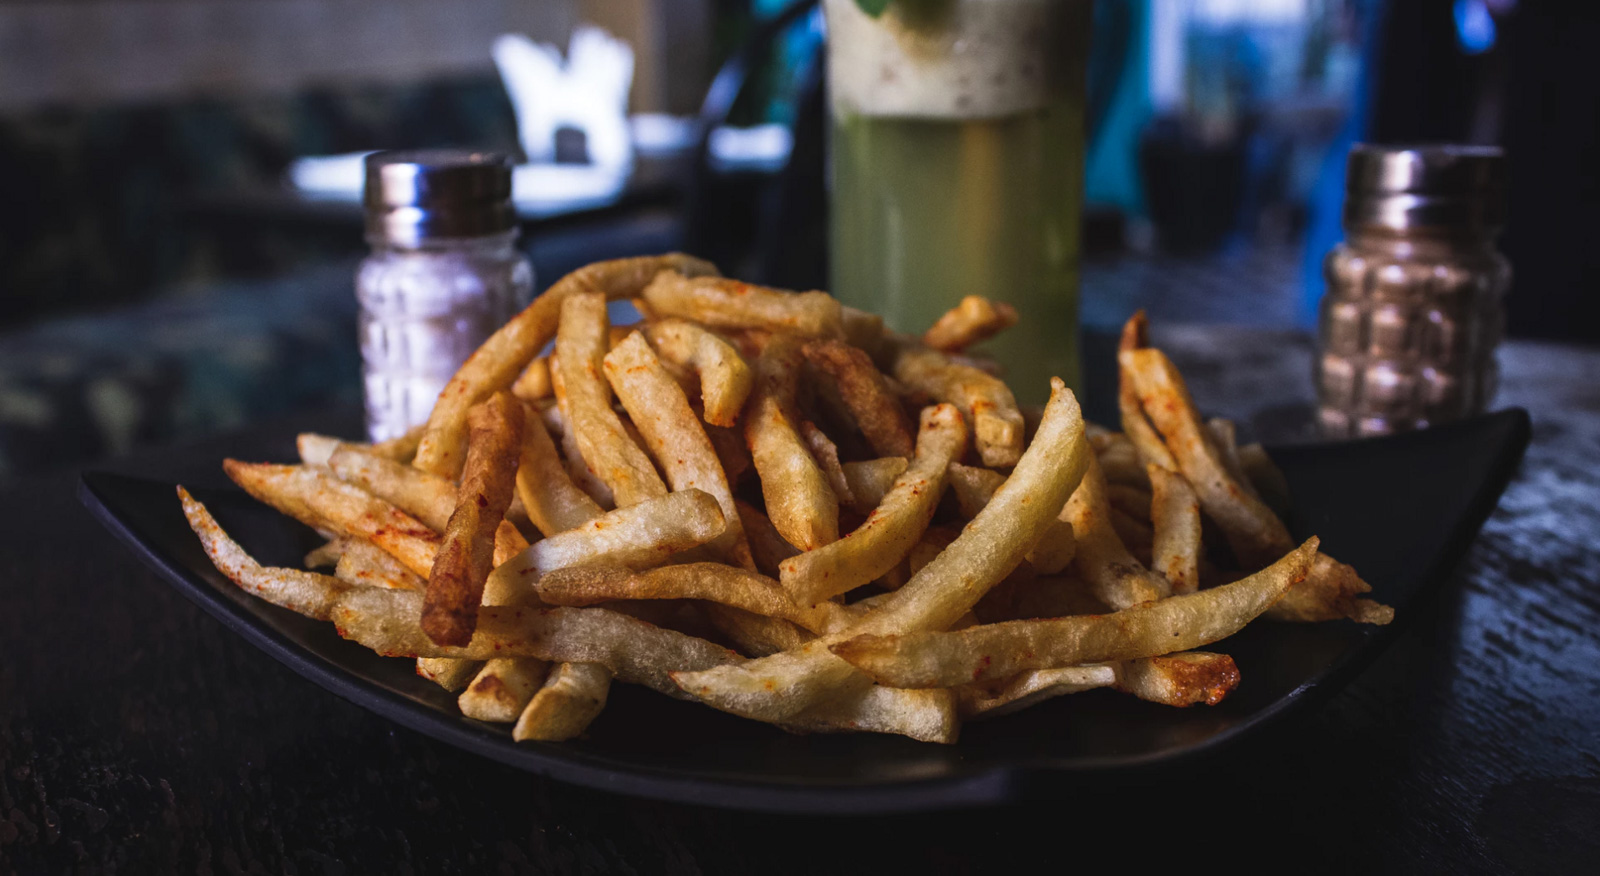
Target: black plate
(1402, 510)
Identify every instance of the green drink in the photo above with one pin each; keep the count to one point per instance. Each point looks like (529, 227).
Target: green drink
(942, 189)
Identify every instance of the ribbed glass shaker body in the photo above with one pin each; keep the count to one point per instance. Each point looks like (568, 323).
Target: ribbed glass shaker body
(424, 309)
(1408, 330)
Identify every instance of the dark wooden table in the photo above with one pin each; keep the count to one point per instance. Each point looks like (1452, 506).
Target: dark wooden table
(137, 735)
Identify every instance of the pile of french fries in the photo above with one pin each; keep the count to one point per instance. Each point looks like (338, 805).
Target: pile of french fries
(769, 503)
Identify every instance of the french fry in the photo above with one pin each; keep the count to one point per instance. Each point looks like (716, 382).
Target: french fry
(782, 685)
(732, 453)
(1175, 513)
(639, 536)
(1030, 688)
(1183, 679)
(466, 555)
(894, 526)
(754, 634)
(862, 389)
(1266, 477)
(826, 454)
(495, 365)
(673, 435)
(923, 715)
(368, 565)
(593, 584)
(767, 547)
(1137, 536)
(1122, 465)
(638, 652)
(572, 696)
(452, 675)
(996, 651)
(316, 498)
(730, 304)
(1130, 500)
(1226, 438)
(315, 449)
(534, 383)
(585, 399)
(1151, 449)
(975, 486)
(985, 403)
(577, 469)
(502, 688)
(973, 321)
(306, 593)
(725, 378)
(799, 501)
(326, 556)
(871, 479)
(863, 330)
(1331, 591)
(555, 504)
(1101, 558)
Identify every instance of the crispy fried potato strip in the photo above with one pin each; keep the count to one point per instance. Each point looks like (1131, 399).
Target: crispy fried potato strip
(975, 486)
(466, 556)
(534, 383)
(572, 697)
(731, 304)
(923, 715)
(995, 651)
(1101, 559)
(800, 503)
(368, 565)
(973, 321)
(871, 479)
(1175, 514)
(767, 546)
(1030, 688)
(673, 434)
(638, 652)
(755, 634)
(450, 674)
(826, 454)
(502, 688)
(893, 528)
(725, 378)
(874, 408)
(1151, 449)
(1183, 679)
(585, 399)
(495, 365)
(984, 401)
(306, 593)
(555, 504)
(592, 584)
(782, 685)
(316, 498)
(639, 536)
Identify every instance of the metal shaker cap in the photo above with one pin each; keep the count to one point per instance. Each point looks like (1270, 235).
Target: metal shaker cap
(1442, 187)
(418, 195)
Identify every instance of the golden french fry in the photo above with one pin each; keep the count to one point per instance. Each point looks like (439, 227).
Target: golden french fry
(1226, 438)
(592, 584)
(767, 547)
(327, 556)
(1101, 558)
(571, 698)
(1030, 688)
(725, 378)
(1175, 513)
(863, 330)
(864, 393)
(1182, 679)
(673, 435)
(731, 451)
(502, 688)
(756, 635)
(534, 383)
(985, 403)
(585, 399)
(923, 715)
(1151, 629)
(1151, 449)
(638, 652)
(306, 593)
(452, 675)
(826, 454)
(639, 536)
(555, 504)
(496, 364)
(871, 479)
(975, 320)
(466, 555)
(730, 304)
(1332, 590)
(314, 449)
(368, 565)
(894, 526)
(975, 486)
(316, 498)
(782, 685)
(577, 469)
(799, 501)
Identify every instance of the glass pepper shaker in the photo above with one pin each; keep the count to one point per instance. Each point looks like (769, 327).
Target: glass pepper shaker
(444, 273)
(1413, 310)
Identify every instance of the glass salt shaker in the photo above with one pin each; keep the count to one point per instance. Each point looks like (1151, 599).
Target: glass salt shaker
(444, 274)
(1413, 311)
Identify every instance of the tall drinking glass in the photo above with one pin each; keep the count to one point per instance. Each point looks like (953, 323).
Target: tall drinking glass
(957, 167)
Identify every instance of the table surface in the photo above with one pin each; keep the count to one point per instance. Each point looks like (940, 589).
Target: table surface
(137, 735)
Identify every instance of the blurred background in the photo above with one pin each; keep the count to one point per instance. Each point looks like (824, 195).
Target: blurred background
(181, 219)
